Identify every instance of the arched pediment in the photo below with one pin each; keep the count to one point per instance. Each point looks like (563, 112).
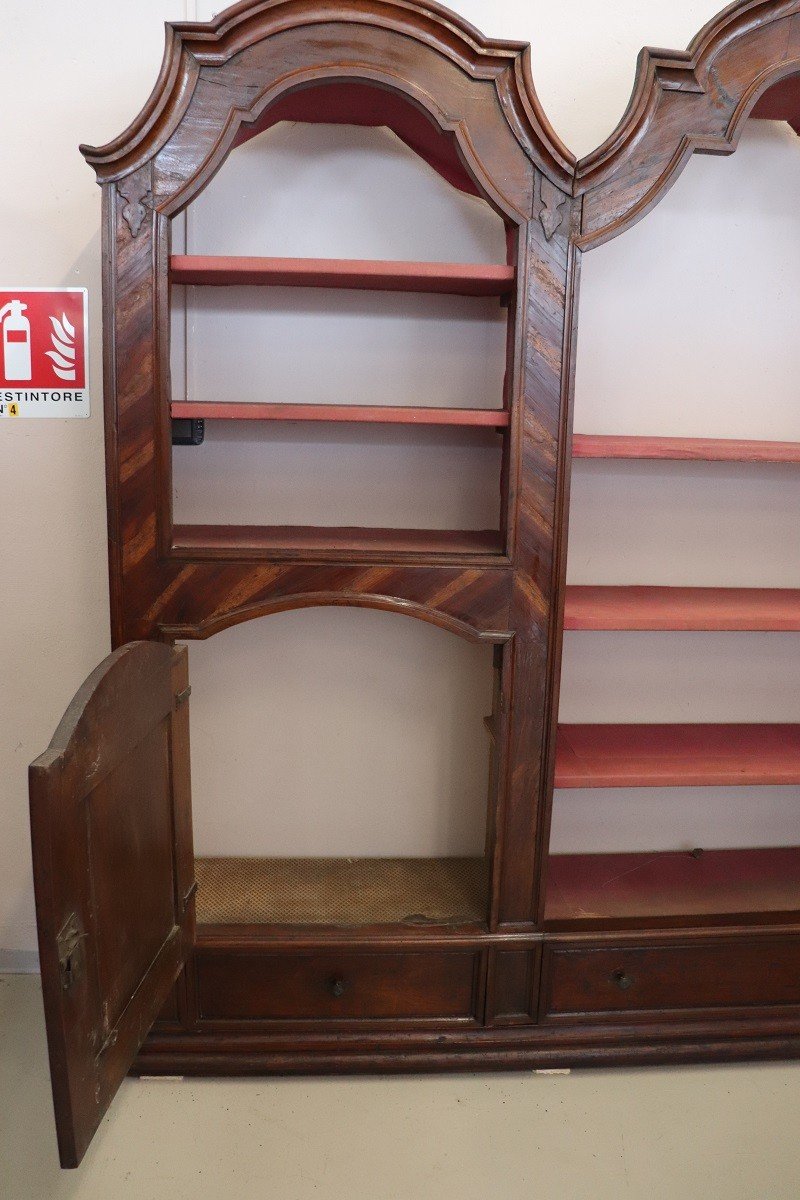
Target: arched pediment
(685, 102)
(285, 603)
(218, 75)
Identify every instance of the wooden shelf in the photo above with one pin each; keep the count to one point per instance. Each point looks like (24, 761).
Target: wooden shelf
(455, 279)
(590, 756)
(703, 608)
(584, 890)
(356, 413)
(244, 539)
(592, 445)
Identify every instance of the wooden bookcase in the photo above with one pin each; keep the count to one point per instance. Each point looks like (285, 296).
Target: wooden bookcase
(519, 959)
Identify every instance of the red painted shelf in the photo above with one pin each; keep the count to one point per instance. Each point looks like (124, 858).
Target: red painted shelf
(632, 889)
(356, 413)
(702, 608)
(592, 445)
(592, 756)
(456, 279)
(221, 540)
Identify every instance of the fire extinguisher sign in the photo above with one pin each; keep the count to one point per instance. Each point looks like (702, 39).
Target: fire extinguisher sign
(44, 352)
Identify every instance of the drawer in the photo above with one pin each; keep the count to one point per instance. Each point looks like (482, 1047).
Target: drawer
(583, 981)
(331, 984)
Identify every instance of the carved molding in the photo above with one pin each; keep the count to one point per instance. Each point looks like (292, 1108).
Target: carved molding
(683, 102)
(552, 206)
(137, 197)
(192, 47)
(434, 616)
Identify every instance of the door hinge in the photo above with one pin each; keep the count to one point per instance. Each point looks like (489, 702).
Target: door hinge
(69, 945)
(182, 697)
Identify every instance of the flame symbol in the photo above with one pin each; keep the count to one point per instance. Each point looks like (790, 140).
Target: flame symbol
(63, 339)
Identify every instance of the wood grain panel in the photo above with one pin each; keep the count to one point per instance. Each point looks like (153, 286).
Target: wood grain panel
(682, 102)
(582, 982)
(219, 85)
(338, 984)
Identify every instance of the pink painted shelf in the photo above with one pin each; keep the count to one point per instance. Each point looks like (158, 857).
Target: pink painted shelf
(494, 418)
(681, 608)
(457, 279)
(625, 889)
(595, 445)
(595, 756)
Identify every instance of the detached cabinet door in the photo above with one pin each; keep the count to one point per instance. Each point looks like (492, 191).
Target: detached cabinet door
(113, 874)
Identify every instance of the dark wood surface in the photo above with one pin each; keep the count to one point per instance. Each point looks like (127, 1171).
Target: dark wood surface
(452, 279)
(218, 85)
(340, 985)
(113, 863)
(581, 981)
(687, 101)
(750, 1015)
(513, 991)
(254, 540)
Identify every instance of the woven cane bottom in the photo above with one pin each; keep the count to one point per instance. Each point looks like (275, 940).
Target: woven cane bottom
(340, 891)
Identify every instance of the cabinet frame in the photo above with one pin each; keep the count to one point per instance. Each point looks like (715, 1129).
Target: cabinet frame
(479, 95)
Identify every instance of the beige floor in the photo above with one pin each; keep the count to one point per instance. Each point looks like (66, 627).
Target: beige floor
(719, 1133)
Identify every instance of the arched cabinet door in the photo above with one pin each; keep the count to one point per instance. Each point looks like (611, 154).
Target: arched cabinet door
(113, 874)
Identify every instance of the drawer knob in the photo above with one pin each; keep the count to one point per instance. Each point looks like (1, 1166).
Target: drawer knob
(337, 987)
(622, 979)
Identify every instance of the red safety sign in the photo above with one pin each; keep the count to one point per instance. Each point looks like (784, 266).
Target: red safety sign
(43, 352)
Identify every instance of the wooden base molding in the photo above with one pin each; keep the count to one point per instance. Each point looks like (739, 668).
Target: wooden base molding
(629, 999)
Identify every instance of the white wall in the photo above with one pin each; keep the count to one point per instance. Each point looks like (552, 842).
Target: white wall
(691, 368)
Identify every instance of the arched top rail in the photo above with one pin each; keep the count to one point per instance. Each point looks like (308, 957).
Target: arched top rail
(256, 51)
(691, 101)
(298, 600)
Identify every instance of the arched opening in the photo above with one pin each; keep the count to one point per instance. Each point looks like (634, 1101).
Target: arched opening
(333, 398)
(339, 771)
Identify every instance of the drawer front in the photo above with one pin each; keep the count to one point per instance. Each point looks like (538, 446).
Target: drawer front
(582, 981)
(329, 984)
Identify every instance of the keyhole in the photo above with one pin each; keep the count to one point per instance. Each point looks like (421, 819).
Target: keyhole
(622, 979)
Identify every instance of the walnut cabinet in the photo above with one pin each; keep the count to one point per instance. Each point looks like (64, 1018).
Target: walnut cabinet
(154, 962)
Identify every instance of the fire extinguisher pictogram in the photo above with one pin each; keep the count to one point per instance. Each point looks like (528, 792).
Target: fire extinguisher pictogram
(16, 341)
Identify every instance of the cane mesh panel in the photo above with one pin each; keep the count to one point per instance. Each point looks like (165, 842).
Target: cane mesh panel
(340, 891)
